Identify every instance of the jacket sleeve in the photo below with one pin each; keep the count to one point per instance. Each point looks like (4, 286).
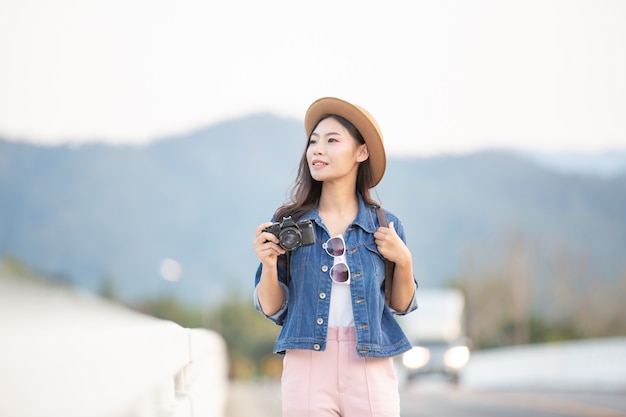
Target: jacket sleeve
(279, 317)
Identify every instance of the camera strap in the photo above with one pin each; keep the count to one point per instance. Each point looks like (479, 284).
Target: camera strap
(382, 221)
(287, 257)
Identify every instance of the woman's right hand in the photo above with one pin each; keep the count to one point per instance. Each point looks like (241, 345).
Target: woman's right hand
(266, 246)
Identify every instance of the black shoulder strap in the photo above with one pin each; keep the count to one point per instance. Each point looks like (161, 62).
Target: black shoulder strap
(382, 220)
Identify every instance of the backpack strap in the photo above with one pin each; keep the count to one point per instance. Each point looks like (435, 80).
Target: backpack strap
(382, 220)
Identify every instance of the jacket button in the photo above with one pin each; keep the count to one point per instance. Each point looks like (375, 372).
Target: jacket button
(316, 347)
(322, 295)
(320, 321)
(325, 268)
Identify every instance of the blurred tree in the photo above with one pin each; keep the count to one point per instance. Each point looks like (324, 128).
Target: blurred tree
(516, 297)
(498, 297)
(107, 288)
(12, 265)
(249, 336)
(168, 307)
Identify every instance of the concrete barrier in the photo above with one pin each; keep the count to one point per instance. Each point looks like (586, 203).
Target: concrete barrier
(64, 353)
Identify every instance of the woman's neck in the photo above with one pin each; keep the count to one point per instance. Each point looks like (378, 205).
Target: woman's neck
(338, 197)
(338, 207)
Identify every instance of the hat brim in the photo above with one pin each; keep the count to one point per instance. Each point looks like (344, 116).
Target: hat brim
(361, 119)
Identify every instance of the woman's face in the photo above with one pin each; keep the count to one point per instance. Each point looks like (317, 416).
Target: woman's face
(333, 153)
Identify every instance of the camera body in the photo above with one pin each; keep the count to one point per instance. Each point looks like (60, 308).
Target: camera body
(292, 235)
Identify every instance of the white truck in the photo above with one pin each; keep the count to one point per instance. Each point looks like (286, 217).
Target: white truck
(437, 332)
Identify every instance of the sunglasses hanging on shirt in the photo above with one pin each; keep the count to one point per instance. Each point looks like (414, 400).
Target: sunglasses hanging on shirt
(336, 247)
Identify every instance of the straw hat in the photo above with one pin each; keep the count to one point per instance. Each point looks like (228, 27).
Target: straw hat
(361, 119)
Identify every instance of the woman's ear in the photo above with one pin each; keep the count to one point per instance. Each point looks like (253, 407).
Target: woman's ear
(362, 153)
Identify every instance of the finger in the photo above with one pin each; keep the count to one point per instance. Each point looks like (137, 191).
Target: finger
(269, 250)
(380, 233)
(262, 226)
(262, 236)
(392, 228)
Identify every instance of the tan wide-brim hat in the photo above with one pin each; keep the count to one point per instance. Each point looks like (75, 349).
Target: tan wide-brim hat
(361, 119)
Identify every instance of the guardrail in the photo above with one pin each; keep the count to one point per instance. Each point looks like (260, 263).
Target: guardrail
(69, 354)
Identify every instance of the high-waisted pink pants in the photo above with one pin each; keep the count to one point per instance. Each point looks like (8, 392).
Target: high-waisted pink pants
(336, 382)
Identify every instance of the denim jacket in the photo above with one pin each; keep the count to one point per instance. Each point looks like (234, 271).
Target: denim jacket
(304, 313)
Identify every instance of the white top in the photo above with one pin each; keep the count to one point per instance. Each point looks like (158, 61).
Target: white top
(340, 314)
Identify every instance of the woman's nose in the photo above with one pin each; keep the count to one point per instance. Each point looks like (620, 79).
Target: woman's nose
(318, 149)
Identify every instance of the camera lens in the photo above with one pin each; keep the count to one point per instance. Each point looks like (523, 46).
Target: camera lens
(290, 238)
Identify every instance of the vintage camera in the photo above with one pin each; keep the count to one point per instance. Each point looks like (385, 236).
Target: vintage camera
(292, 235)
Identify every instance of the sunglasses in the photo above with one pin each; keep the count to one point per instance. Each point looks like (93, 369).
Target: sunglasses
(336, 247)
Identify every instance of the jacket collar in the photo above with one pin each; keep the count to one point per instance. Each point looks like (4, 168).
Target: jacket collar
(365, 219)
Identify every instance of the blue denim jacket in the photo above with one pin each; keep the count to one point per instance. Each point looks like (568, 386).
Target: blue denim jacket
(304, 313)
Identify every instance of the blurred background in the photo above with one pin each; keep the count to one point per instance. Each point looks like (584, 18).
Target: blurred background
(142, 142)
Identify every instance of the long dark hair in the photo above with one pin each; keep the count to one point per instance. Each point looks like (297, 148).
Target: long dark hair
(305, 192)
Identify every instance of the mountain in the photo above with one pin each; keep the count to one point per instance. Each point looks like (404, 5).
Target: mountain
(98, 213)
(604, 163)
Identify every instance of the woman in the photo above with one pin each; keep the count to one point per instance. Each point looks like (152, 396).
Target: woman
(338, 335)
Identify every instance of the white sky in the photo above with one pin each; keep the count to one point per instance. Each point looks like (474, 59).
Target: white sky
(438, 75)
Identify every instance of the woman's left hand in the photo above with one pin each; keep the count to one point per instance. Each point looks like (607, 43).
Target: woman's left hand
(391, 246)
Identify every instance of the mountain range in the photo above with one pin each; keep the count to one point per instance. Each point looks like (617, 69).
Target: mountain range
(100, 214)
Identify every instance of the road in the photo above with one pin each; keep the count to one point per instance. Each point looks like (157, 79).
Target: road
(438, 400)
(249, 399)
(429, 399)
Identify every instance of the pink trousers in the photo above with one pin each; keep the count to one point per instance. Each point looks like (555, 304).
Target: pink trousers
(337, 382)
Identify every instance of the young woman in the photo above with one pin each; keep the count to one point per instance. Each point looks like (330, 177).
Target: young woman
(338, 334)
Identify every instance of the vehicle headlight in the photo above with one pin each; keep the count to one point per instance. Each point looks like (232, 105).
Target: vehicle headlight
(416, 357)
(456, 357)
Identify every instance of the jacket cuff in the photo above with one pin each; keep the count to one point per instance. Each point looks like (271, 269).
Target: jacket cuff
(279, 316)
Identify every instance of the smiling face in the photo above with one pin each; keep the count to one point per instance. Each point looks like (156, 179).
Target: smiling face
(333, 153)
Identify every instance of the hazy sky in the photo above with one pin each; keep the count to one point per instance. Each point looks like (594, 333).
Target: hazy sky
(438, 75)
